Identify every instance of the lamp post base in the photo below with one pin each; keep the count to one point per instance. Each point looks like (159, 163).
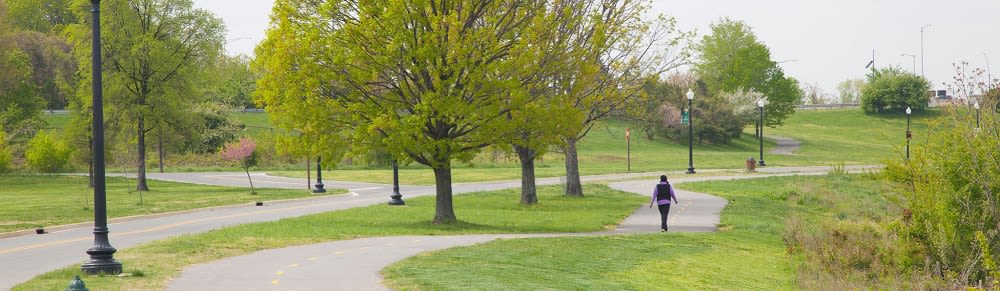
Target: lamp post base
(397, 199)
(761, 163)
(690, 171)
(102, 261)
(318, 188)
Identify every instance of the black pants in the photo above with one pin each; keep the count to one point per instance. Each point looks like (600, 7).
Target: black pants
(664, 214)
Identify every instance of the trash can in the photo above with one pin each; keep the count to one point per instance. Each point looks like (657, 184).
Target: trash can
(751, 164)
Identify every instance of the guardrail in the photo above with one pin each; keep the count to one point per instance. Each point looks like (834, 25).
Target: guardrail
(827, 106)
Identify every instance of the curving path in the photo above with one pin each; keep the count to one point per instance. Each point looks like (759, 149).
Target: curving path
(785, 145)
(355, 264)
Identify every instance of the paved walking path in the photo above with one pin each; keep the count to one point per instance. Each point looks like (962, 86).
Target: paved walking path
(355, 264)
(786, 145)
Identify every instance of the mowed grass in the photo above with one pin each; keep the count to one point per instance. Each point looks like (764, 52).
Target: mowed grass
(850, 136)
(51, 200)
(748, 253)
(152, 265)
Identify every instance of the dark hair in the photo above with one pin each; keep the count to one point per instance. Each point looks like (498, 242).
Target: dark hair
(663, 178)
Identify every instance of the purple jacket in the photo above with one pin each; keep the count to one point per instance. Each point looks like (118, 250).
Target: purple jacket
(663, 202)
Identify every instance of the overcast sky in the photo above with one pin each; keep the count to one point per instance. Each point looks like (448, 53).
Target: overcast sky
(822, 42)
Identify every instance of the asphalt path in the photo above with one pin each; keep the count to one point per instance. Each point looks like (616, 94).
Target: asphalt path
(66, 245)
(355, 264)
(30, 255)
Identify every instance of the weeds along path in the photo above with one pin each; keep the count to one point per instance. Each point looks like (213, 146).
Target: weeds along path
(355, 264)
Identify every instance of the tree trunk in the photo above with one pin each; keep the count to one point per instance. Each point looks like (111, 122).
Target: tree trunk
(160, 148)
(444, 211)
(529, 192)
(90, 174)
(573, 186)
(252, 191)
(141, 166)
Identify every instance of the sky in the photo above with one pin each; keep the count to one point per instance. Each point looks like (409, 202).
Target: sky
(820, 42)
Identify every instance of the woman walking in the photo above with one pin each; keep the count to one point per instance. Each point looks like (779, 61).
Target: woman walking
(662, 195)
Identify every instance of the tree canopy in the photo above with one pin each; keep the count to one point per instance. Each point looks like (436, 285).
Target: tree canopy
(429, 81)
(893, 88)
(732, 58)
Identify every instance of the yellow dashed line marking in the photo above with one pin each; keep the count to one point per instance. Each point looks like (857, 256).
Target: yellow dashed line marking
(293, 265)
(338, 253)
(313, 259)
(274, 282)
(279, 273)
(417, 240)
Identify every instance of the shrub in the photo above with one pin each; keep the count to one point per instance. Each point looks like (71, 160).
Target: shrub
(46, 154)
(6, 158)
(891, 88)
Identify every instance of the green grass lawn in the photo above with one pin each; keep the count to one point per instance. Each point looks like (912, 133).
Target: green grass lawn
(828, 137)
(46, 201)
(749, 253)
(152, 264)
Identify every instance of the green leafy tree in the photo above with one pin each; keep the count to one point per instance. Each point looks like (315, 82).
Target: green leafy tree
(45, 16)
(850, 90)
(155, 52)
(233, 82)
(893, 88)
(430, 81)
(53, 66)
(732, 58)
(6, 158)
(20, 105)
(612, 65)
(47, 154)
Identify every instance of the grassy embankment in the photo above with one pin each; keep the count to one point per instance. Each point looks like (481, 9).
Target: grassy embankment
(44, 201)
(152, 264)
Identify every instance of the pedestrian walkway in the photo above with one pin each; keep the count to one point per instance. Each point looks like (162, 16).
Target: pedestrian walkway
(785, 145)
(355, 264)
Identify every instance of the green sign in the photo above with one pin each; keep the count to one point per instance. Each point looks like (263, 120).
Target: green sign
(684, 117)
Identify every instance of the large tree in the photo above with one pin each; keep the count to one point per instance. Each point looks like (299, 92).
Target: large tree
(893, 88)
(618, 53)
(45, 16)
(429, 81)
(155, 52)
(732, 58)
(20, 105)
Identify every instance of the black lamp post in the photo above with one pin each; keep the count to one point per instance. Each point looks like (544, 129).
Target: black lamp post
(760, 106)
(397, 199)
(690, 97)
(318, 188)
(102, 260)
(977, 114)
(908, 133)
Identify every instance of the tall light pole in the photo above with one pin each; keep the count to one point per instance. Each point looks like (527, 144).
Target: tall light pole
(760, 106)
(690, 97)
(102, 260)
(922, 49)
(396, 197)
(977, 114)
(914, 58)
(909, 134)
(318, 188)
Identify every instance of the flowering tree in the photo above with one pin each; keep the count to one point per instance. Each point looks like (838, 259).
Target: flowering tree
(244, 152)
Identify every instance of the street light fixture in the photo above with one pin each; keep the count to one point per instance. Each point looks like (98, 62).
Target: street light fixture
(977, 114)
(909, 134)
(760, 105)
(318, 188)
(690, 97)
(102, 260)
(397, 199)
(914, 59)
(922, 49)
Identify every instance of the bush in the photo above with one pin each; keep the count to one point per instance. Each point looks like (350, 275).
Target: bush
(47, 155)
(6, 158)
(891, 88)
(951, 195)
